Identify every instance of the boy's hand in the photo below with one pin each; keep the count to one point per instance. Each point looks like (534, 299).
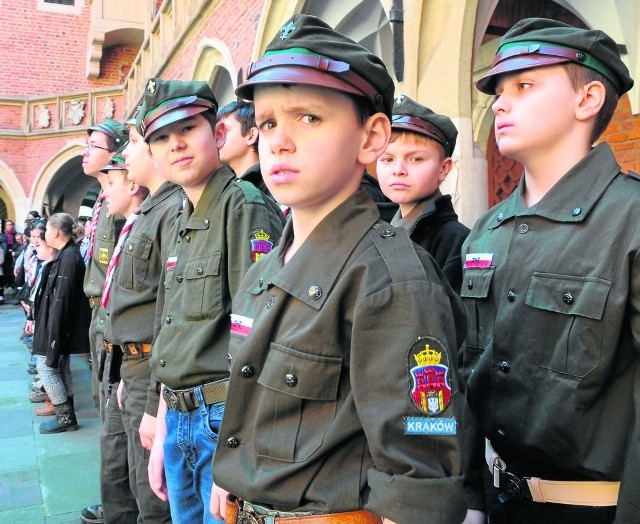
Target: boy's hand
(119, 393)
(147, 430)
(28, 327)
(474, 516)
(218, 502)
(157, 481)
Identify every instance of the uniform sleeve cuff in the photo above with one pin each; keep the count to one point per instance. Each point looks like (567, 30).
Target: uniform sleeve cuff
(407, 499)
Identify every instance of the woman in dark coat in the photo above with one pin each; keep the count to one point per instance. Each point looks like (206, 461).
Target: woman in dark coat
(61, 313)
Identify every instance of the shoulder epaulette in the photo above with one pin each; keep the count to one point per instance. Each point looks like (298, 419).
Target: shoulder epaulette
(633, 174)
(251, 193)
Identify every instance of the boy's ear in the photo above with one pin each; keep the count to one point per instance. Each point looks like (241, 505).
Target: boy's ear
(377, 133)
(133, 186)
(252, 136)
(591, 99)
(220, 134)
(445, 169)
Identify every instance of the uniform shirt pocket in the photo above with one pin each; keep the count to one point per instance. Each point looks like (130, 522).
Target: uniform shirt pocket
(568, 310)
(202, 297)
(296, 408)
(476, 286)
(135, 262)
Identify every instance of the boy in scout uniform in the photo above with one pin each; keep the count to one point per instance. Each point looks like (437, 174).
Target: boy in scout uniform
(415, 163)
(553, 297)
(240, 150)
(226, 225)
(103, 140)
(343, 401)
(130, 310)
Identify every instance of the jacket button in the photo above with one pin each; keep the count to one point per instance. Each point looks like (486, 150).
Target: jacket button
(500, 217)
(576, 211)
(567, 298)
(504, 366)
(511, 296)
(162, 363)
(200, 271)
(233, 442)
(271, 301)
(167, 320)
(388, 233)
(206, 222)
(247, 371)
(523, 228)
(315, 292)
(260, 281)
(290, 380)
(179, 278)
(187, 238)
(470, 284)
(502, 432)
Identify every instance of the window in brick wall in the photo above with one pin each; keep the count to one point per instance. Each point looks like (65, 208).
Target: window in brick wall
(61, 2)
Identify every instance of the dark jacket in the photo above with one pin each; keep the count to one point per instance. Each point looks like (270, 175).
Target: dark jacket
(62, 313)
(438, 231)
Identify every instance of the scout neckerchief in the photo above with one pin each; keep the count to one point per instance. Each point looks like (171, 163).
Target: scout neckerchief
(116, 256)
(94, 221)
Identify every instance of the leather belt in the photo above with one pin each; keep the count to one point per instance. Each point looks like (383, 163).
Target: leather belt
(94, 302)
(247, 513)
(572, 492)
(129, 349)
(186, 399)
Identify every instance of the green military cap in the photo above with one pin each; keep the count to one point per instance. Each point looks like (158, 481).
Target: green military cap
(408, 115)
(136, 119)
(307, 51)
(112, 128)
(117, 163)
(539, 42)
(167, 101)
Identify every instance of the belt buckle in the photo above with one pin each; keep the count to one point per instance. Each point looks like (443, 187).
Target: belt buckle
(515, 487)
(172, 400)
(249, 517)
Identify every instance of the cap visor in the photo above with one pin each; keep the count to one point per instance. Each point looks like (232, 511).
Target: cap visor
(179, 113)
(487, 83)
(295, 75)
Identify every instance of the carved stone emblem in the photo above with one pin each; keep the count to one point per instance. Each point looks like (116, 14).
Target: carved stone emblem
(108, 108)
(43, 116)
(75, 111)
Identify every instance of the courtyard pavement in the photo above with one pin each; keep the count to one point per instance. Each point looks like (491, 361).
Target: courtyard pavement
(43, 478)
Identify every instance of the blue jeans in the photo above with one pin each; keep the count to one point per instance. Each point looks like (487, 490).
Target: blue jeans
(189, 446)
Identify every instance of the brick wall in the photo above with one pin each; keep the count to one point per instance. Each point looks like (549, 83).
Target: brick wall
(624, 136)
(239, 35)
(48, 52)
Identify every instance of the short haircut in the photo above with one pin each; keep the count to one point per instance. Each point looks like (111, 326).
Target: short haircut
(419, 138)
(579, 76)
(243, 111)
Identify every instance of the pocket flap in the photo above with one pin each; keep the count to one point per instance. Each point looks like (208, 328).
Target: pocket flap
(295, 373)
(138, 246)
(203, 266)
(476, 282)
(583, 296)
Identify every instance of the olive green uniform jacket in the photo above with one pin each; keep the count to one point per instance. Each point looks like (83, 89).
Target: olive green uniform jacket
(320, 413)
(551, 358)
(233, 225)
(130, 314)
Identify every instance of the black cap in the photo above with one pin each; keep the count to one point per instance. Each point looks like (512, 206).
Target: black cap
(167, 101)
(114, 129)
(539, 42)
(307, 51)
(408, 115)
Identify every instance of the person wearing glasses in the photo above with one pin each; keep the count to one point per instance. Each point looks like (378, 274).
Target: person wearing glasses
(103, 141)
